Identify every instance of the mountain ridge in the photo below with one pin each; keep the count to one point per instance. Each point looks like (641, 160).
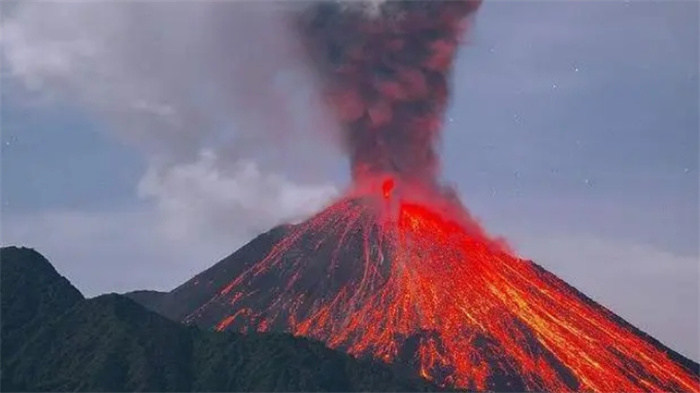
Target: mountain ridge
(112, 343)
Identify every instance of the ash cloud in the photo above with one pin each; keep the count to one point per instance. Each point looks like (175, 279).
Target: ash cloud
(385, 69)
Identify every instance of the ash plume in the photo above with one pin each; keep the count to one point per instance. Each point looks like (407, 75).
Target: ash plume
(385, 70)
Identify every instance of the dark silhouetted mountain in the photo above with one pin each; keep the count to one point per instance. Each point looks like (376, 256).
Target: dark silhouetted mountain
(32, 292)
(147, 298)
(64, 342)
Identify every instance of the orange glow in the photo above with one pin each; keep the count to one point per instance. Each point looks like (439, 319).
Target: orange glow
(469, 307)
(387, 187)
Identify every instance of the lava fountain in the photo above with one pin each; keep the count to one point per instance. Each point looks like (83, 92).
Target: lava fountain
(396, 270)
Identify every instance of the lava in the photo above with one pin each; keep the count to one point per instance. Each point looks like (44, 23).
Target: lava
(396, 270)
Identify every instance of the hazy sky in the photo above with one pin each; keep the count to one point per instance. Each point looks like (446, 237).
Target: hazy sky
(574, 134)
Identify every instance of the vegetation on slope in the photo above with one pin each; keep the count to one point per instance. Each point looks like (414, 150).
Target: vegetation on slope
(55, 340)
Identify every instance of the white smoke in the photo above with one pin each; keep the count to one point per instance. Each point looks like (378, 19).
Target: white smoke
(212, 84)
(199, 197)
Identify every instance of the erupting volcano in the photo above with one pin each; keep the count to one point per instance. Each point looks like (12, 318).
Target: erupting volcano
(396, 269)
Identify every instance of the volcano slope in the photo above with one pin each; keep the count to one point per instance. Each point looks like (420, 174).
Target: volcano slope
(405, 282)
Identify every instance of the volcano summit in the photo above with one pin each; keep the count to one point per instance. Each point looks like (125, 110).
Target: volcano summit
(396, 270)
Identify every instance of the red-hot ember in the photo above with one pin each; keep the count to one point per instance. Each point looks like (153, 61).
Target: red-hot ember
(396, 270)
(387, 188)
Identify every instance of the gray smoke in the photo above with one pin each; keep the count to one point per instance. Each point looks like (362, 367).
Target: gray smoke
(211, 92)
(172, 78)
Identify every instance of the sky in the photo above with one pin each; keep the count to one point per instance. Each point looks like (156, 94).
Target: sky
(142, 142)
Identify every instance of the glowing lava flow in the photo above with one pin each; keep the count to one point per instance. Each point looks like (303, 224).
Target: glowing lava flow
(409, 285)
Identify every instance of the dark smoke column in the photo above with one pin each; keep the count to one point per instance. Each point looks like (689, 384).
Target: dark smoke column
(385, 72)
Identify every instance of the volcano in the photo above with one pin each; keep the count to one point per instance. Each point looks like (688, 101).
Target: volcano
(403, 281)
(396, 269)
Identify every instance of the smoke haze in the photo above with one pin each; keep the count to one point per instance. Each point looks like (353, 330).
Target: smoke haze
(212, 88)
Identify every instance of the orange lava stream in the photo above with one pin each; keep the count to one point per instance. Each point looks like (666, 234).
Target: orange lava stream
(473, 307)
